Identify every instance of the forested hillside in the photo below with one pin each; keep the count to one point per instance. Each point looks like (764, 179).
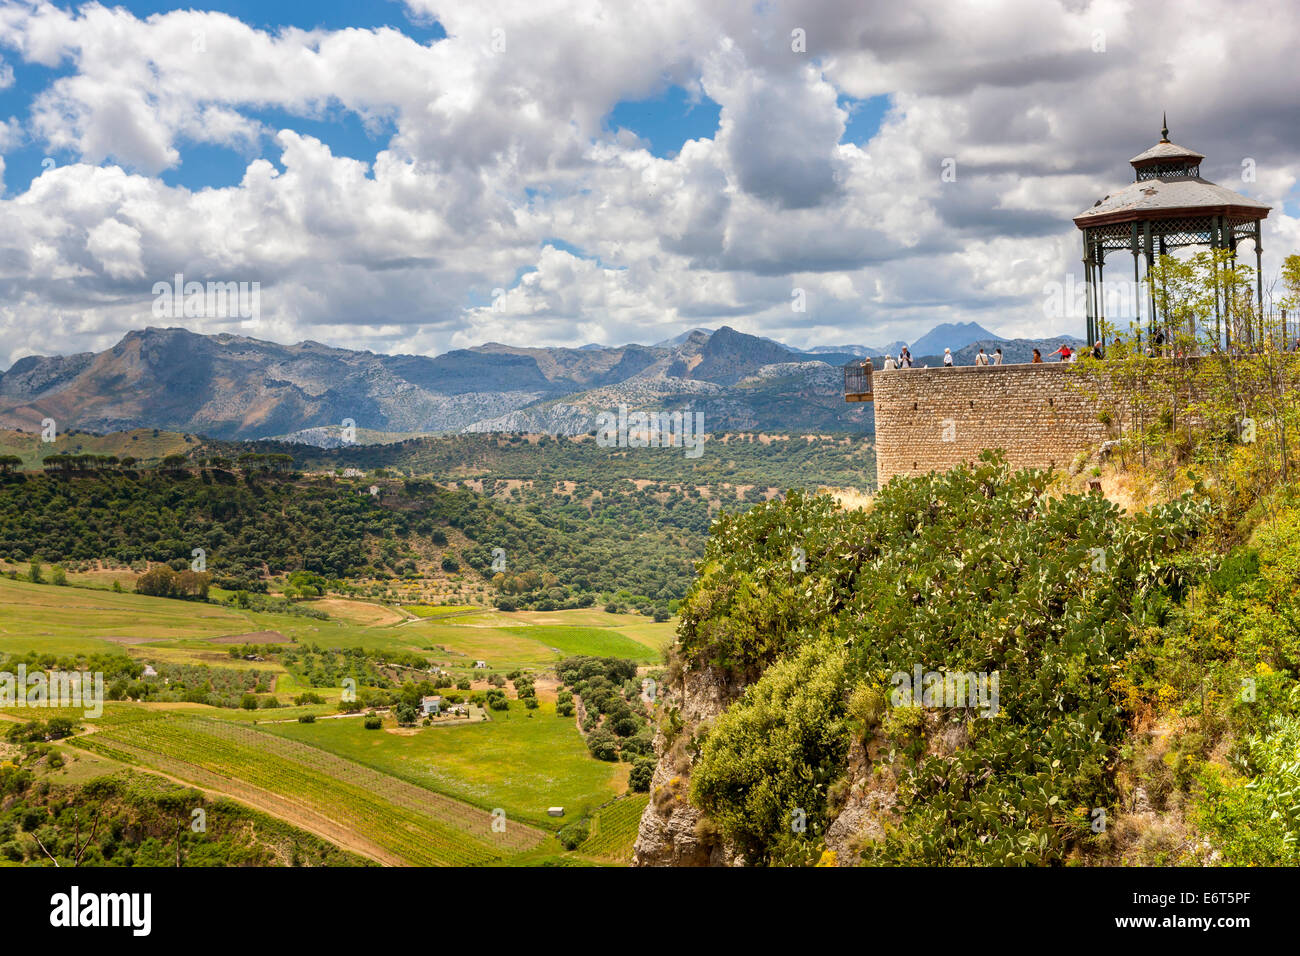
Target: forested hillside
(785, 460)
(250, 527)
(574, 522)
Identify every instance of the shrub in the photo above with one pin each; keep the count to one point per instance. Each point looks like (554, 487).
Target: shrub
(643, 769)
(573, 835)
(980, 569)
(602, 744)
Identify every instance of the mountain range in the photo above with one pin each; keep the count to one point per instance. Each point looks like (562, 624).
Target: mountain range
(232, 386)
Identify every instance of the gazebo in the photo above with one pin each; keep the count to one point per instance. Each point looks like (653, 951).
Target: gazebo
(1167, 206)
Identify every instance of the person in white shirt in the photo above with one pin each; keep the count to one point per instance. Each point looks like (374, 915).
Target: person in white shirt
(890, 365)
(981, 358)
(997, 356)
(947, 358)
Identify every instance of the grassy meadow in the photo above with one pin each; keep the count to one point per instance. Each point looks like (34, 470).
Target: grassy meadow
(357, 787)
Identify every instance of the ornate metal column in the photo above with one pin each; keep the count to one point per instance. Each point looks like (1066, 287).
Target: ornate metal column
(1089, 303)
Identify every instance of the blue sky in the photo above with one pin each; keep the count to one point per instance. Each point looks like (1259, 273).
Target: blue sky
(663, 122)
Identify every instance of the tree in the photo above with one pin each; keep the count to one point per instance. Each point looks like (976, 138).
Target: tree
(643, 770)
(162, 581)
(248, 702)
(602, 744)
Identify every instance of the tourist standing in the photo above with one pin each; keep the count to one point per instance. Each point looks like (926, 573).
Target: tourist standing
(889, 363)
(947, 358)
(981, 358)
(997, 356)
(1038, 357)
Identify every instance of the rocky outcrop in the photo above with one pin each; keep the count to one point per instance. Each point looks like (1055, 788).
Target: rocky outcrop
(672, 832)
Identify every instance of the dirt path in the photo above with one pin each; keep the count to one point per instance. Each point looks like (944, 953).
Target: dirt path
(275, 806)
(443, 617)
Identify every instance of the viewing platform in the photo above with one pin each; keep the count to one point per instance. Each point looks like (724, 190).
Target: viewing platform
(857, 381)
(932, 419)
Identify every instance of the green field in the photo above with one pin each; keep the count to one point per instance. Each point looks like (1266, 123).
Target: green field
(65, 620)
(520, 763)
(614, 829)
(310, 787)
(420, 795)
(596, 641)
(74, 620)
(440, 610)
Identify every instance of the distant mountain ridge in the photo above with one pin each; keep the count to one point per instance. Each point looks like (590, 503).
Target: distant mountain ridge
(232, 386)
(950, 335)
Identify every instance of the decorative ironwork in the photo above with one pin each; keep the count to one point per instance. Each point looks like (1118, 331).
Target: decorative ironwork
(1169, 171)
(857, 381)
(1154, 223)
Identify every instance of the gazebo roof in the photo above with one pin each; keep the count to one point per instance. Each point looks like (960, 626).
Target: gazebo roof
(1168, 187)
(1175, 196)
(1164, 151)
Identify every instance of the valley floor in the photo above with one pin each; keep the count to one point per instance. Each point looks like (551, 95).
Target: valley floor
(456, 792)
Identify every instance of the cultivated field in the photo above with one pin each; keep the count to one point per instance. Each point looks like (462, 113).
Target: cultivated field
(380, 815)
(401, 796)
(522, 761)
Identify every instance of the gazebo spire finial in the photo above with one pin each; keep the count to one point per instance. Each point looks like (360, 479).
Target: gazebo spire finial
(1164, 132)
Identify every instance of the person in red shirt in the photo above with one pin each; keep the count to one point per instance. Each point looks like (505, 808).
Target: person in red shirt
(1064, 352)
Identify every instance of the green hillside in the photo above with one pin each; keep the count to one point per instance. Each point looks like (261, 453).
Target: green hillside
(146, 445)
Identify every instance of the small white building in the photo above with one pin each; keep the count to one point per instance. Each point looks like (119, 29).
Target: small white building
(149, 671)
(480, 665)
(431, 706)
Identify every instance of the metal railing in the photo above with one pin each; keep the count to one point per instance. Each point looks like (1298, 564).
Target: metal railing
(857, 378)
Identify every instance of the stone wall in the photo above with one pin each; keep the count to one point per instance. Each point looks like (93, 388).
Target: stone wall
(931, 419)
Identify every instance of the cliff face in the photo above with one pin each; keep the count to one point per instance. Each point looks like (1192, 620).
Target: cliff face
(674, 833)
